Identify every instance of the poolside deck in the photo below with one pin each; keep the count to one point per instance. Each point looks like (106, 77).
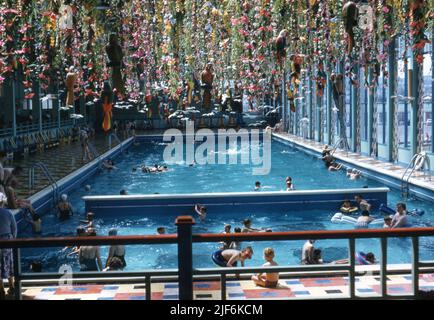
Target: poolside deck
(290, 289)
(386, 168)
(61, 161)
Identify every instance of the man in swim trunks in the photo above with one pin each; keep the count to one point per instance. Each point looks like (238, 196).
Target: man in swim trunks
(307, 252)
(400, 219)
(267, 279)
(364, 218)
(229, 257)
(363, 204)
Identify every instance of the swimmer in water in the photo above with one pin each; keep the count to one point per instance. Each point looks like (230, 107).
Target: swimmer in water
(248, 227)
(109, 164)
(161, 230)
(289, 184)
(387, 222)
(87, 188)
(90, 217)
(365, 218)
(257, 186)
(36, 223)
(201, 211)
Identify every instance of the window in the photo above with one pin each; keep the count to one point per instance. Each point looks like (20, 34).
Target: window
(381, 96)
(404, 107)
(428, 104)
(348, 106)
(363, 106)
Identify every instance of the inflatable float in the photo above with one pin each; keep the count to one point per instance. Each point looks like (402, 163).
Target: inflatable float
(339, 217)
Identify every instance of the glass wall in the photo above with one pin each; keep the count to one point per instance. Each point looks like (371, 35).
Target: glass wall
(404, 107)
(381, 97)
(348, 106)
(363, 106)
(428, 104)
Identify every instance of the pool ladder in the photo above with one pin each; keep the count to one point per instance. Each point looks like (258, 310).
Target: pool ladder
(114, 136)
(420, 161)
(344, 143)
(48, 175)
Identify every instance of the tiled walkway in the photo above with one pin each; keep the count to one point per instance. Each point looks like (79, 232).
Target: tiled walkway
(306, 288)
(383, 167)
(61, 161)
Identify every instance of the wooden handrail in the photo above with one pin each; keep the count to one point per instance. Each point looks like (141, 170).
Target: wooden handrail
(216, 237)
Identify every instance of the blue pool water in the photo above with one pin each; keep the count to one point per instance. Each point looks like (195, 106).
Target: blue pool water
(307, 172)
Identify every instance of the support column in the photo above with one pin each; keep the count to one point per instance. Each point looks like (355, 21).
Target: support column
(185, 256)
(390, 104)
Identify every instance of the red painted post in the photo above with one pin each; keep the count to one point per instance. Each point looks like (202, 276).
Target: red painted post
(185, 256)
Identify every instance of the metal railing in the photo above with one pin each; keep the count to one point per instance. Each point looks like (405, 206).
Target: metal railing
(34, 127)
(344, 143)
(48, 175)
(114, 136)
(186, 274)
(420, 161)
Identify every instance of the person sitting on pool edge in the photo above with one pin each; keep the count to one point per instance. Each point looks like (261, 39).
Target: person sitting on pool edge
(326, 151)
(230, 257)
(248, 227)
(267, 279)
(347, 208)
(201, 211)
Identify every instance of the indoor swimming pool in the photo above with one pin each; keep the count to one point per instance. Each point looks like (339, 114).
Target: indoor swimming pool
(307, 172)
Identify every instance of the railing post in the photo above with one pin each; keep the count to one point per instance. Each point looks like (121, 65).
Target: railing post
(148, 287)
(185, 257)
(415, 266)
(223, 286)
(383, 266)
(17, 272)
(352, 260)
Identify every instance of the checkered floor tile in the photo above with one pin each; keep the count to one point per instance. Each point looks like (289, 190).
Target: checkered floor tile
(306, 288)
